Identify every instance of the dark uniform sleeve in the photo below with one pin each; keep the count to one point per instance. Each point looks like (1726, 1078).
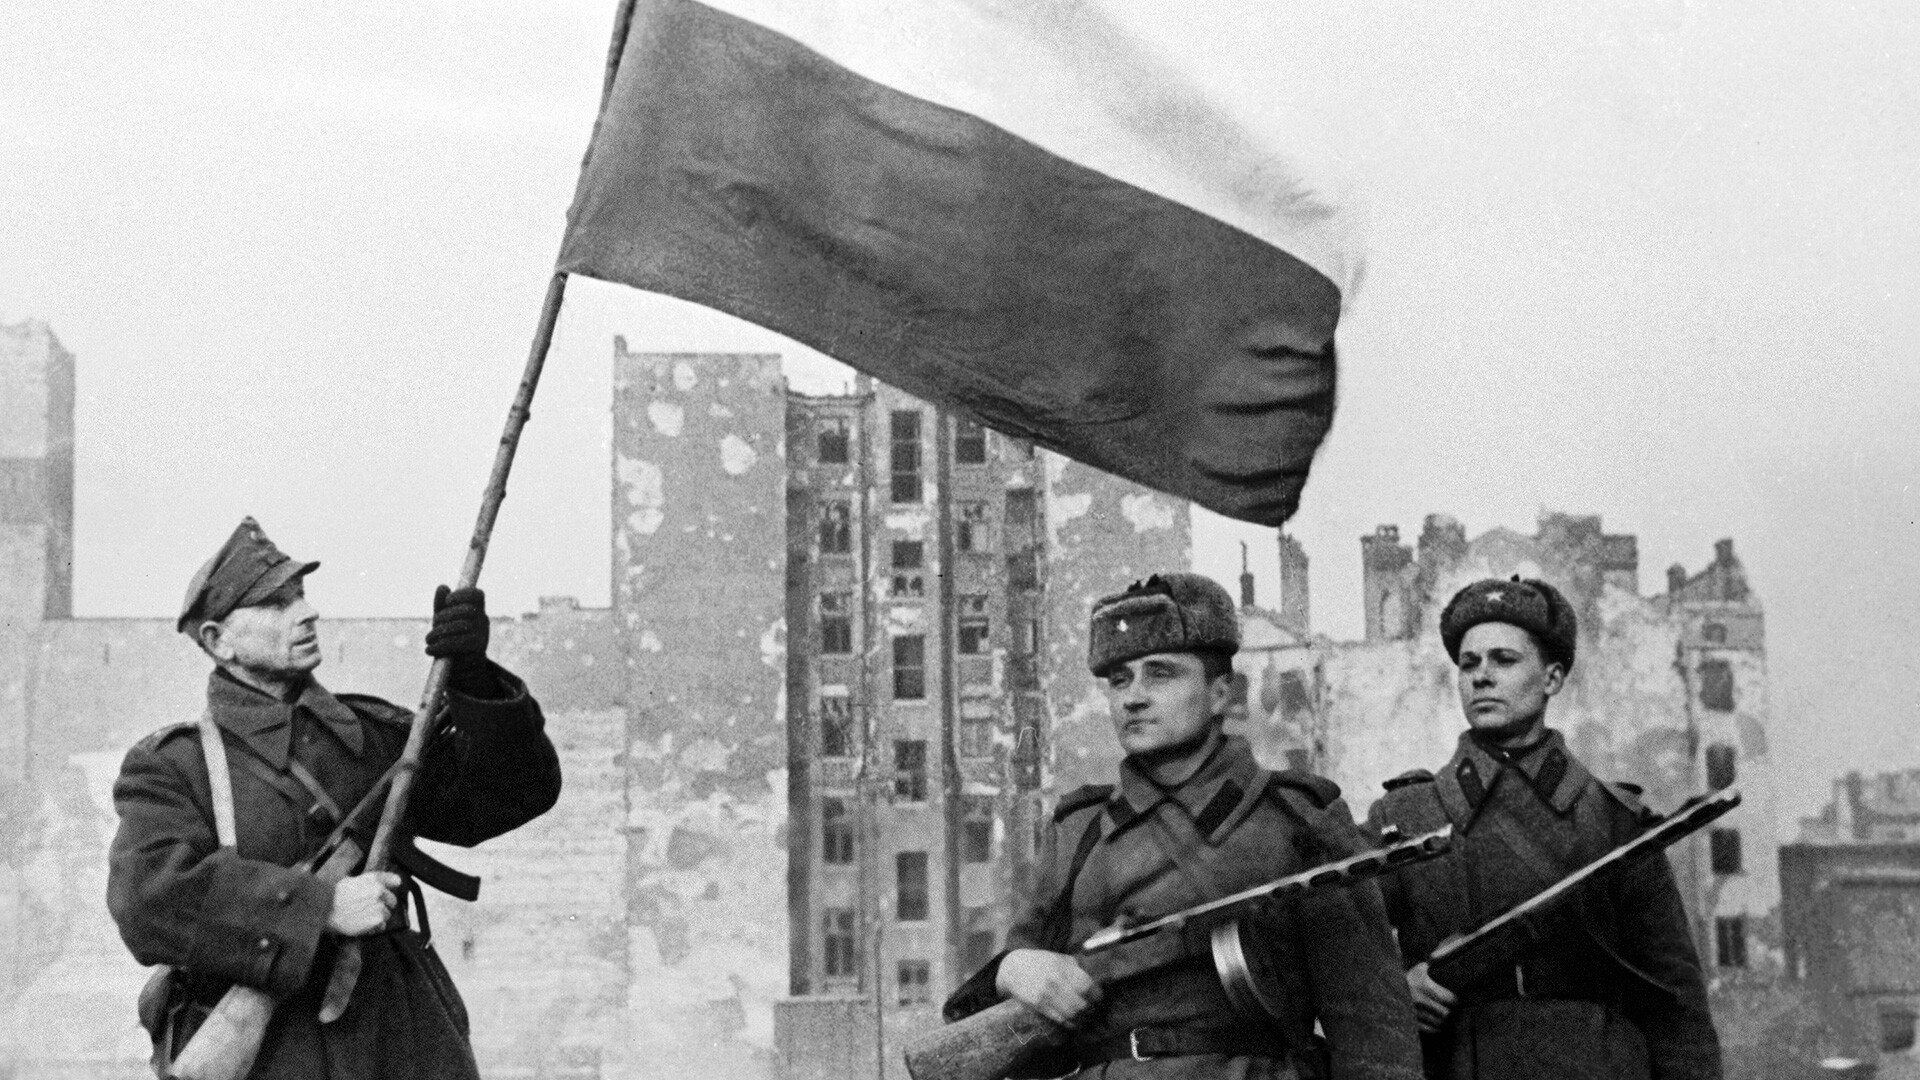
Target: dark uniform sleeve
(1030, 930)
(1353, 971)
(491, 769)
(1669, 1001)
(181, 899)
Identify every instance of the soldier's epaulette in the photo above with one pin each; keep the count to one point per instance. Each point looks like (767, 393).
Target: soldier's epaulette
(374, 708)
(1318, 789)
(1080, 798)
(1411, 776)
(165, 735)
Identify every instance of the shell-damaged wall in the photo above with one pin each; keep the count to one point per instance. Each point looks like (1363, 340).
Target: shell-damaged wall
(699, 575)
(1103, 534)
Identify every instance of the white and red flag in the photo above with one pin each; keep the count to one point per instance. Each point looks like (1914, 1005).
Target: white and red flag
(1009, 207)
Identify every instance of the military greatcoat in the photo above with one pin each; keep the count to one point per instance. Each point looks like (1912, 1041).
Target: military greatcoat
(222, 916)
(1327, 957)
(1615, 991)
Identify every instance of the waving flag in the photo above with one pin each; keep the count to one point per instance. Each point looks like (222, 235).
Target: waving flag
(1005, 206)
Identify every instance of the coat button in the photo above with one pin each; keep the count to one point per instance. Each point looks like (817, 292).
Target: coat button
(263, 944)
(284, 895)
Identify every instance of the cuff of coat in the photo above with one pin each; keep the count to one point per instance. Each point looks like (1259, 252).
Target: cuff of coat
(978, 993)
(506, 690)
(262, 927)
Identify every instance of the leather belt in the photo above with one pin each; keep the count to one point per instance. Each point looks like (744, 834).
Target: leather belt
(1142, 1043)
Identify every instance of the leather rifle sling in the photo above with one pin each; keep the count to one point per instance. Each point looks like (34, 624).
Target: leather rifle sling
(156, 994)
(219, 780)
(1181, 843)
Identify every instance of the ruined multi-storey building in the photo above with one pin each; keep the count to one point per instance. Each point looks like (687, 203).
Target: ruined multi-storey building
(804, 746)
(932, 579)
(1850, 912)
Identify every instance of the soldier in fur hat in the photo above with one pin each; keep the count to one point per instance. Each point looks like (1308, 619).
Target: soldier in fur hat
(1195, 817)
(298, 757)
(1615, 990)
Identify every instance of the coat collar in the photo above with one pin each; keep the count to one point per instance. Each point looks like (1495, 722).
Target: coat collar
(1471, 774)
(265, 723)
(1215, 797)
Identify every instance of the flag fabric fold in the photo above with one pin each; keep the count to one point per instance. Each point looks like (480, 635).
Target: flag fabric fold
(735, 167)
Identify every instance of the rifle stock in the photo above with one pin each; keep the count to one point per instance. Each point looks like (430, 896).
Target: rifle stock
(994, 1041)
(229, 1039)
(990, 1043)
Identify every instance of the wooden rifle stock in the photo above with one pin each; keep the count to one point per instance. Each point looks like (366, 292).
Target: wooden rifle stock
(993, 1042)
(985, 1046)
(229, 1038)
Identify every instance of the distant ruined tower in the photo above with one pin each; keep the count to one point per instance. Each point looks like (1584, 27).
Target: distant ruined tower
(1295, 608)
(1386, 584)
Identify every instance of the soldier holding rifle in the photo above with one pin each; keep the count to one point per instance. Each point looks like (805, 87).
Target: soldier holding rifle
(1195, 818)
(1611, 988)
(297, 755)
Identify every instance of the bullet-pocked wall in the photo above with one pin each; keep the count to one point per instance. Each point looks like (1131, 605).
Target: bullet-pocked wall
(699, 572)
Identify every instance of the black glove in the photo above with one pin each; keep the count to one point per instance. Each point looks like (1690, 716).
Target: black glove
(459, 634)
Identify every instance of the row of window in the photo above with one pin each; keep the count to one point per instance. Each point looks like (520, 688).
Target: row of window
(912, 978)
(839, 843)
(973, 628)
(833, 442)
(840, 739)
(972, 534)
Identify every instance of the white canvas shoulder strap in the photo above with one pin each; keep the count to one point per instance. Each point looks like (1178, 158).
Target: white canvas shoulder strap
(219, 780)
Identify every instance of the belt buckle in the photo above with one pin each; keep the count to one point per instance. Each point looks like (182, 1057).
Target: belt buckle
(1133, 1045)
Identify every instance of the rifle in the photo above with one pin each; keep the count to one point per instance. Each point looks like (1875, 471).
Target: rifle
(228, 1039)
(991, 1043)
(1499, 943)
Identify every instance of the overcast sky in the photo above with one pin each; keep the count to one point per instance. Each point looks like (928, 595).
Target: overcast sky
(1657, 260)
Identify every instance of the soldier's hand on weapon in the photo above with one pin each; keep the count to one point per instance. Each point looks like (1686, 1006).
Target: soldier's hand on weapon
(1049, 983)
(1432, 1003)
(361, 904)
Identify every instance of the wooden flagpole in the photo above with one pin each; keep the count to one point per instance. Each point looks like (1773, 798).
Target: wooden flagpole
(347, 959)
(230, 1038)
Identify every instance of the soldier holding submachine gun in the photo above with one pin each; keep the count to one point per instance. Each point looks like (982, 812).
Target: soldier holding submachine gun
(1201, 918)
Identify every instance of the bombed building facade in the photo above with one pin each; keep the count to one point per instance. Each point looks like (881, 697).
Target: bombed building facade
(841, 677)
(1850, 911)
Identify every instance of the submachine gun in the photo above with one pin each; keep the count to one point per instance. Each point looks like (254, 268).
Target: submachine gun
(1500, 942)
(991, 1043)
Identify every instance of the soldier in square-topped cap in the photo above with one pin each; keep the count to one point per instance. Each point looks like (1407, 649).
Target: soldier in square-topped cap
(1614, 991)
(297, 755)
(1194, 817)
